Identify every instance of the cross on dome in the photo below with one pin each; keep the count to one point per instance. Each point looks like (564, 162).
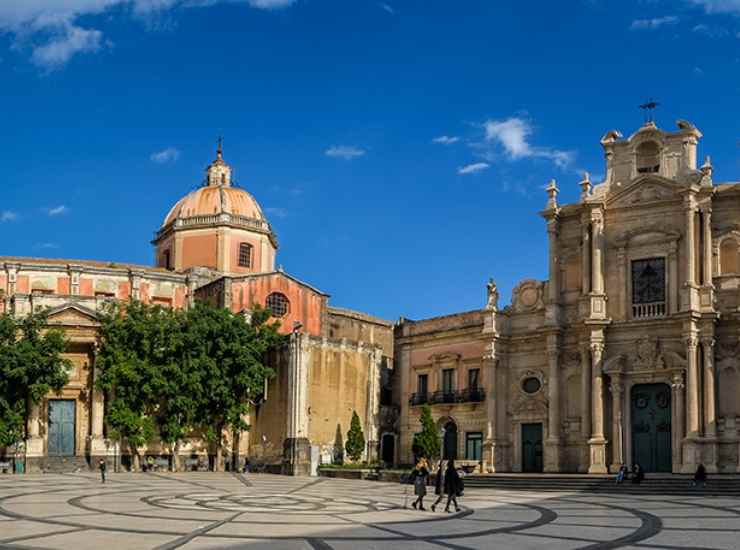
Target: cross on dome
(218, 173)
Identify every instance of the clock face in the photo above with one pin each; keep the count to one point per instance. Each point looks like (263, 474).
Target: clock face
(648, 281)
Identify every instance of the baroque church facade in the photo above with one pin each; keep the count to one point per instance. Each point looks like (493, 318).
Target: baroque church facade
(627, 353)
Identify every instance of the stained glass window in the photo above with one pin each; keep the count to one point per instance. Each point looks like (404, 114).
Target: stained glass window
(648, 281)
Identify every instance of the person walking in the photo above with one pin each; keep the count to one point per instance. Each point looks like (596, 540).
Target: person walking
(621, 474)
(700, 476)
(453, 485)
(103, 467)
(421, 476)
(637, 474)
(439, 487)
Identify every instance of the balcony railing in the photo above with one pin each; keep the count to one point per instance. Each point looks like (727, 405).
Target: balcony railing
(648, 311)
(468, 395)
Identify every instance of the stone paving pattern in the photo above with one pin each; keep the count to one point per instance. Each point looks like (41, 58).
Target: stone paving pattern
(208, 511)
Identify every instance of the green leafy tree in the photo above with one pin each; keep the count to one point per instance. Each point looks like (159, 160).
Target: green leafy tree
(427, 441)
(355, 444)
(338, 446)
(231, 354)
(31, 365)
(135, 347)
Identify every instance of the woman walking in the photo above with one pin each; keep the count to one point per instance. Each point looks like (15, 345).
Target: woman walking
(452, 485)
(439, 487)
(421, 476)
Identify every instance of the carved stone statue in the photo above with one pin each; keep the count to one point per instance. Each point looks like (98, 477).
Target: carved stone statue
(492, 302)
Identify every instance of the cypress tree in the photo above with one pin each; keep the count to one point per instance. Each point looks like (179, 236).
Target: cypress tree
(355, 439)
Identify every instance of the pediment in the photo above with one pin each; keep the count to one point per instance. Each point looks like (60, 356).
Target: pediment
(646, 189)
(72, 314)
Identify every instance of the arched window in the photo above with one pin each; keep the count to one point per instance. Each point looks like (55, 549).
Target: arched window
(245, 255)
(648, 158)
(278, 304)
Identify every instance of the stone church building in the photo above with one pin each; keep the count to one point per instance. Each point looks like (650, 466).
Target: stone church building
(627, 353)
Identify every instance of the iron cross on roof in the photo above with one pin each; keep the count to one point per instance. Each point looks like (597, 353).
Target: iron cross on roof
(649, 109)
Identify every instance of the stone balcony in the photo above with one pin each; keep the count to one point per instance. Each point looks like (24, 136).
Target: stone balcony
(468, 395)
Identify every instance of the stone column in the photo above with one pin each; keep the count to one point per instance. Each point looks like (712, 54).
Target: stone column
(554, 283)
(673, 290)
(679, 430)
(553, 458)
(491, 369)
(707, 252)
(585, 392)
(597, 443)
(617, 391)
(692, 384)
(297, 447)
(585, 259)
(597, 255)
(690, 300)
(34, 443)
(710, 406)
(373, 405)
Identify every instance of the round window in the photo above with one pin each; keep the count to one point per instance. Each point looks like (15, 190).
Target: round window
(531, 385)
(278, 304)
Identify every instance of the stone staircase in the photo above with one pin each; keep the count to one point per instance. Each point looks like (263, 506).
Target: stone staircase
(653, 484)
(64, 464)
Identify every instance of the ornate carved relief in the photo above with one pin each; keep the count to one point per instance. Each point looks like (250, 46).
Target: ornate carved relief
(527, 296)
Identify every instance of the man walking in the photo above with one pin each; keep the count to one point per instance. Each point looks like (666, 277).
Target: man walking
(103, 467)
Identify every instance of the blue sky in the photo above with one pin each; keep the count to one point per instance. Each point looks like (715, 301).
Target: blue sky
(399, 148)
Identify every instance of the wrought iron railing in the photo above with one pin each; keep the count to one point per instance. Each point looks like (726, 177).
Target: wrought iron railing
(468, 395)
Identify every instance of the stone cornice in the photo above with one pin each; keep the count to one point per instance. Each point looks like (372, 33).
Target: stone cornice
(224, 219)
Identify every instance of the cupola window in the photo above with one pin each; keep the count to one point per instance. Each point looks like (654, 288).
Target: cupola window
(648, 158)
(278, 304)
(245, 255)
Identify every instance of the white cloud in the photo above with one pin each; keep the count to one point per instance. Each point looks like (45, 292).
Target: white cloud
(513, 135)
(473, 168)
(165, 155)
(8, 216)
(698, 71)
(654, 23)
(47, 246)
(64, 44)
(719, 6)
(346, 152)
(711, 32)
(446, 140)
(50, 29)
(277, 211)
(387, 8)
(57, 210)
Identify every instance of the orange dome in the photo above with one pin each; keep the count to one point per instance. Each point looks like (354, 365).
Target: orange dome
(215, 200)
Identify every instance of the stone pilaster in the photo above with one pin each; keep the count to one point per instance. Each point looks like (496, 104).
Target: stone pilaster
(692, 447)
(35, 443)
(617, 390)
(553, 456)
(679, 426)
(597, 443)
(711, 447)
(691, 290)
(706, 293)
(373, 405)
(585, 398)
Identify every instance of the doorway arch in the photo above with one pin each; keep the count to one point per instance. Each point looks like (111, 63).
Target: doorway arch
(651, 427)
(449, 446)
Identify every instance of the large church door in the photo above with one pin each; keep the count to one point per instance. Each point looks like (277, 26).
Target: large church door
(61, 439)
(651, 427)
(532, 448)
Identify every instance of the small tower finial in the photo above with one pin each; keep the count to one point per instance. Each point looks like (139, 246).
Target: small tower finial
(219, 150)
(552, 195)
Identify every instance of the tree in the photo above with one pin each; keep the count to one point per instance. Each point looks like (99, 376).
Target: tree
(231, 353)
(355, 444)
(31, 365)
(427, 441)
(135, 346)
(338, 446)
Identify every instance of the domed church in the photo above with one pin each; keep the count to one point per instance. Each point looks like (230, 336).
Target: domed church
(215, 244)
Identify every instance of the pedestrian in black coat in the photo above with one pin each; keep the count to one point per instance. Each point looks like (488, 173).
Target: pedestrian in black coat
(103, 467)
(453, 485)
(439, 487)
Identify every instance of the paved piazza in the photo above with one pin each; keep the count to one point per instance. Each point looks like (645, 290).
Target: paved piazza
(207, 510)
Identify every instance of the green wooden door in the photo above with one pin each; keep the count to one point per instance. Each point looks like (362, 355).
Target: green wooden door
(532, 448)
(651, 427)
(61, 439)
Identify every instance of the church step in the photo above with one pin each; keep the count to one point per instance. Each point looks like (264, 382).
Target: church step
(64, 464)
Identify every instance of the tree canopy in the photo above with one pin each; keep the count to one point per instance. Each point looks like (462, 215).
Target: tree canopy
(173, 372)
(31, 365)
